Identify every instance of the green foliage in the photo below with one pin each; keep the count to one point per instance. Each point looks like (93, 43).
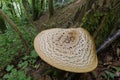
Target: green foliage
(9, 67)
(117, 68)
(108, 75)
(23, 64)
(11, 45)
(15, 74)
(33, 54)
(28, 60)
(93, 20)
(20, 74)
(8, 47)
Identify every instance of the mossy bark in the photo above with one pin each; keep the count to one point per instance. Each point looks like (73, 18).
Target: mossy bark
(99, 18)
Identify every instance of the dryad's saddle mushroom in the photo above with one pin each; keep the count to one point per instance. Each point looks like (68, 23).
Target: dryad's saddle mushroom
(67, 49)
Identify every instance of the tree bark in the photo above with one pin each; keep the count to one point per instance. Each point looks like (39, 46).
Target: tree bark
(51, 8)
(83, 8)
(15, 28)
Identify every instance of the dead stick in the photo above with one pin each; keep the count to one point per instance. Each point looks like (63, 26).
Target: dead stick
(109, 41)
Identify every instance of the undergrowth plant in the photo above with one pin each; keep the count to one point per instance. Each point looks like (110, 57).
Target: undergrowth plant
(19, 71)
(11, 46)
(112, 74)
(93, 21)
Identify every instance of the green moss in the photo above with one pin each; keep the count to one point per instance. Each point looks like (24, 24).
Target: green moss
(92, 21)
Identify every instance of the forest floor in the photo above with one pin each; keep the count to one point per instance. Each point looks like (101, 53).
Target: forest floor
(109, 59)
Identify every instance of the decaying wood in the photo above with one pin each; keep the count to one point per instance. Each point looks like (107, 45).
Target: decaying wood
(15, 28)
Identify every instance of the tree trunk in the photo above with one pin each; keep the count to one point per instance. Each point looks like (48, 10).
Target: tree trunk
(86, 5)
(51, 8)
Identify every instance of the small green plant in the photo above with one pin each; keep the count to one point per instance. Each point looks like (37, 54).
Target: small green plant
(15, 74)
(116, 68)
(9, 47)
(19, 72)
(110, 74)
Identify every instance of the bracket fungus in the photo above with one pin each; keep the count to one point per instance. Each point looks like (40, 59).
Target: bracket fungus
(71, 49)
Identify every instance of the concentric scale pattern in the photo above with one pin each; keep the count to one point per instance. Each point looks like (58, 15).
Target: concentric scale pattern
(67, 48)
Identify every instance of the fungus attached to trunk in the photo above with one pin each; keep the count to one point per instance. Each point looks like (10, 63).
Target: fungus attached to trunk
(71, 49)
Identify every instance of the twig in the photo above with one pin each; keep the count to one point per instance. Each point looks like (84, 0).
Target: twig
(109, 41)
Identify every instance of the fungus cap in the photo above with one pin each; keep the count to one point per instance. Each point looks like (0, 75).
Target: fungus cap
(71, 49)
